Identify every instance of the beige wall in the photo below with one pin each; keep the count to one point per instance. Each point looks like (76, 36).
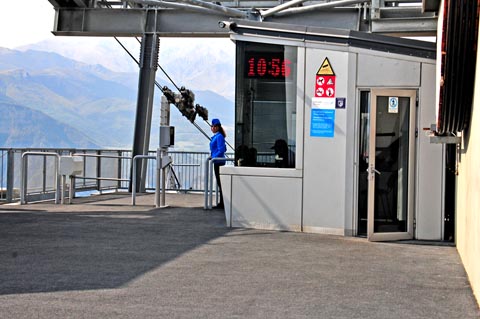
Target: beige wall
(468, 196)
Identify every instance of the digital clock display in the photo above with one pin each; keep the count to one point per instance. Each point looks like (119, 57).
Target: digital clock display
(268, 65)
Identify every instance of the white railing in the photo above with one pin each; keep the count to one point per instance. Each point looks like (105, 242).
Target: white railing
(208, 193)
(104, 170)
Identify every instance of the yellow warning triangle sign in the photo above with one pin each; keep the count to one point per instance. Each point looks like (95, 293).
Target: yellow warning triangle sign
(326, 68)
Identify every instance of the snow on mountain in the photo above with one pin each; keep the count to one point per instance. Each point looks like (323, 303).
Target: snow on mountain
(196, 63)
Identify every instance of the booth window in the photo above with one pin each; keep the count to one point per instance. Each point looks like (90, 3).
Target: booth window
(265, 106)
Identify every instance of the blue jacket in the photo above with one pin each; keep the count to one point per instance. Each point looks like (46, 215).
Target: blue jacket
(218, 147)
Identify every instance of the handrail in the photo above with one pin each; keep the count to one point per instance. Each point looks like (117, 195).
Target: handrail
(208, 179)
(134, 174)
(24, 172)
(104, 178)
(185, 168)
(96, 155)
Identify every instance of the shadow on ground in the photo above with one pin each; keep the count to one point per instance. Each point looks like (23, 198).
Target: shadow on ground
(58, 251)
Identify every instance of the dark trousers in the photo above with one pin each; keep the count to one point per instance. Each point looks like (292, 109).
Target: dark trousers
(216, 169)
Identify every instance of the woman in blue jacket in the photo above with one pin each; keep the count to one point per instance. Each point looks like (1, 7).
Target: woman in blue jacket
(218, 149)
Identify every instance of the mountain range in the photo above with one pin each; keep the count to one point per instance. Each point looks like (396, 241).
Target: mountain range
(49, 100)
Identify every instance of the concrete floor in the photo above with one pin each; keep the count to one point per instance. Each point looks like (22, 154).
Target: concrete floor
(103, 258)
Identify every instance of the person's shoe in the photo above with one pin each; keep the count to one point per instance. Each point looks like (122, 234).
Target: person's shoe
(219, 206)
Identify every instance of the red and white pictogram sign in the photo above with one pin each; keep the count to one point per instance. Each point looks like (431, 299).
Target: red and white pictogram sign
(325, 80)
(325, 86)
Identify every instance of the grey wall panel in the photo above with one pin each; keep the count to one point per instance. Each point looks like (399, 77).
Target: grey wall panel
(351, 151)
(380, 71)
(324, 158)
(266, 202)
(429, 210)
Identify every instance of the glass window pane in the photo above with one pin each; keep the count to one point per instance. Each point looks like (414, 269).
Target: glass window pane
(265, 114)
(391, 161)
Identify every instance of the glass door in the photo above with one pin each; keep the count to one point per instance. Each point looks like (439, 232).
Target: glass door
(390, 164)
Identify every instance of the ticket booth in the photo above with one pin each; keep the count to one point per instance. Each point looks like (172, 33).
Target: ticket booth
(328, 134)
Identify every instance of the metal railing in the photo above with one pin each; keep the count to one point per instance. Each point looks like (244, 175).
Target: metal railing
(24, 173)
(104, 170)
(208, 193)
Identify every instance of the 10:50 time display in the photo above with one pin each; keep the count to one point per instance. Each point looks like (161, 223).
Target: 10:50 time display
(267, 66)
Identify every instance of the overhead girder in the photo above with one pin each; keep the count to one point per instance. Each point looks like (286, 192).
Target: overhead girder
(136, 22)
(69, 3)
(188, 23)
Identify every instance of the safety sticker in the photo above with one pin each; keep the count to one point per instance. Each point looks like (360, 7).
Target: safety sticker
(325, 68)
(393, 104)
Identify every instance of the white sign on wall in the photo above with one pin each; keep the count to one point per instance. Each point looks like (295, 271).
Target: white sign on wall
(393, 104)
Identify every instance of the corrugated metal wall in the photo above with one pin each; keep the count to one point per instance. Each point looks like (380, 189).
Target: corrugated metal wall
(459, 38)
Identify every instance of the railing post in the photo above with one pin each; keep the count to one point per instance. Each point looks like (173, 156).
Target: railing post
(63, 179)
(71, 191)
(99, 171)
(134, 179)
(10, 175)
(205, 182)
(158, 167)
(210, 176)
(23, 182)
(209, 183)
(119, 169)
(163, 155)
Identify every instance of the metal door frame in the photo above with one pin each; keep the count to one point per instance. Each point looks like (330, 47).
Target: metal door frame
(391, 236)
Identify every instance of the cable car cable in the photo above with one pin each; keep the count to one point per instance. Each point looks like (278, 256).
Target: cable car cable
(161, 89)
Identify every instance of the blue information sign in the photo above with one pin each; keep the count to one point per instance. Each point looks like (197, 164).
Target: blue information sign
(322, 123)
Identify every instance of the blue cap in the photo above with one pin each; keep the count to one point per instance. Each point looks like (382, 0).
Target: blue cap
(216, 122)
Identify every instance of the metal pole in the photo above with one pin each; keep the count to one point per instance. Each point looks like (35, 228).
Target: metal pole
(143, 118)
(10, 175)
(211, 185)
(71, 191)
(23, 185)
(57, 176)
(278, 8)
(205, 183)
(320, 6)
(218, 8)
(134, 179)
(98, 162)
(162, 152)
(64, 186)
(157, 179)
(164, 179)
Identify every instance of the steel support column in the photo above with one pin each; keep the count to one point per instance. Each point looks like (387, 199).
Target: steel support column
(143, 119)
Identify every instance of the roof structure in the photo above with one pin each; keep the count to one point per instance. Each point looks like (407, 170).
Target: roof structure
(197, 18)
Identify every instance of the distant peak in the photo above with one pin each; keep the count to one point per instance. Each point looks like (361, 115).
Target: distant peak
(18, 73)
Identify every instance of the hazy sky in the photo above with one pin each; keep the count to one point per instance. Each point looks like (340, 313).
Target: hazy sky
(25, 21)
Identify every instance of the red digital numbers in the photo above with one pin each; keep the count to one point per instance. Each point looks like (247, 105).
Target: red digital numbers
(268, 66)
(261, 67)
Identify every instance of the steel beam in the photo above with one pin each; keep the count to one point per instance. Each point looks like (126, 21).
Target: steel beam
(132, 23)
(320, 6)
(179, 23)
(343, 18)
(406, 27)
(143, 119)
(176, 23)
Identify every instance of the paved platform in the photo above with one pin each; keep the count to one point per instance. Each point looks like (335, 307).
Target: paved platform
(102, 258)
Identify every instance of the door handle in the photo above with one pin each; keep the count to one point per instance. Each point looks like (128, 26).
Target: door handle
(372, 171)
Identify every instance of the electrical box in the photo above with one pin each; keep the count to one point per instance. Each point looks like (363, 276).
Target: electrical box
(167, 136)
(71, 165)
